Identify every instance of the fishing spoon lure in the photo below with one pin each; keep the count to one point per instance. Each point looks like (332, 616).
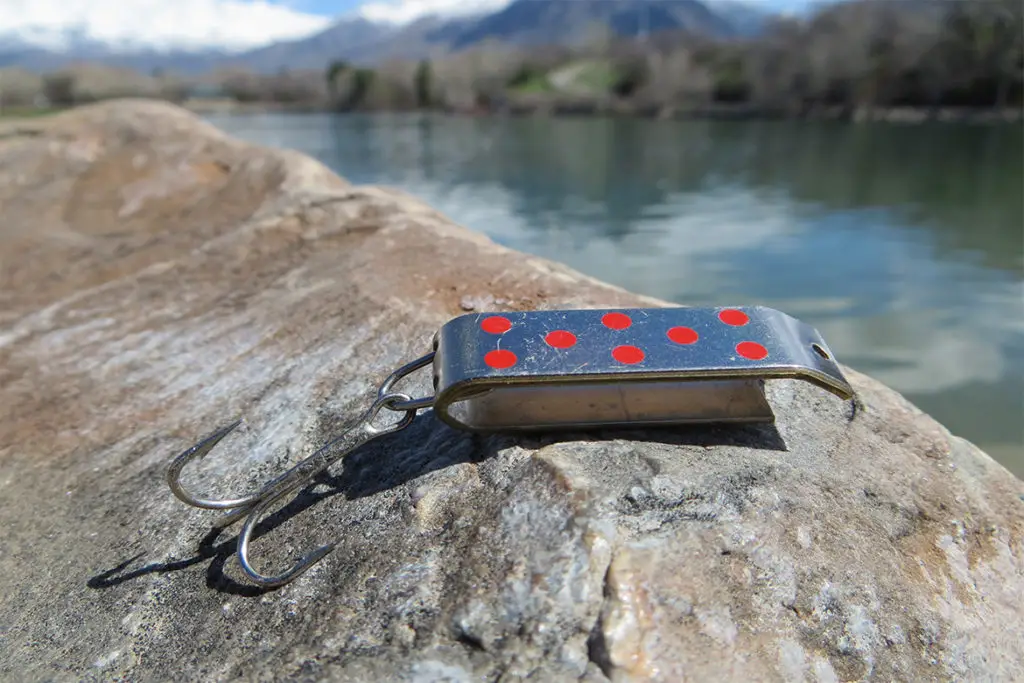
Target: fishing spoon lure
(558, 369)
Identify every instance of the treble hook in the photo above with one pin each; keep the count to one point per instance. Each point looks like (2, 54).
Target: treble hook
(255, 505)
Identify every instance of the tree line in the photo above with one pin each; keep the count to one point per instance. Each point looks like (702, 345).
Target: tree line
(856, 54)
(845, 57)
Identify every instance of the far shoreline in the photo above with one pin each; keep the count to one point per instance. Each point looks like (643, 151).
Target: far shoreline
(903, 115)
(562, 110)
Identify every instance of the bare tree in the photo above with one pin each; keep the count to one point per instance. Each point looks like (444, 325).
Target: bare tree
(393, 86)
(19, 88)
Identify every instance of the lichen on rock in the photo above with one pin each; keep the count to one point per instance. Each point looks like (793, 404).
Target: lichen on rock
(160, 279)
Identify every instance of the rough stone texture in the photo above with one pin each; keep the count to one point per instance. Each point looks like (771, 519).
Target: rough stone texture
(160, 279)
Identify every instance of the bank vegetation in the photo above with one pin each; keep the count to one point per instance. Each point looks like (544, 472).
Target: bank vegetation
(847, 60)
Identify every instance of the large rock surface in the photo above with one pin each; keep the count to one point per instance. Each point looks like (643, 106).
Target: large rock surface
(160, 279)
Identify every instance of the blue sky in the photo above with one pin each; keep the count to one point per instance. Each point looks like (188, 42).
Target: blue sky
(327, 7)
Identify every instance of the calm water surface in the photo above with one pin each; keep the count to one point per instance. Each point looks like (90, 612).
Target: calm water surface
(903, 245)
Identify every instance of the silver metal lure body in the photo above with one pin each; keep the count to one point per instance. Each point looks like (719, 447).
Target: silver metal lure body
(545, 370)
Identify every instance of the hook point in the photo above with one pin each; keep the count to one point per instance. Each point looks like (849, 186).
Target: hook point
(318, 554)
(198, 452)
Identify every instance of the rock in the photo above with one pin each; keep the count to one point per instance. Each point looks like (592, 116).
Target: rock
(160, 279)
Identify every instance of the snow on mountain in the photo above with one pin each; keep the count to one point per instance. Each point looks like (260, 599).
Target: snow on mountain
(408, 11)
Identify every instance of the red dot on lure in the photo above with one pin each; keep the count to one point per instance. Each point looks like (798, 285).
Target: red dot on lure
(616, 321)
(629, 355)
(560, 339)
(683, 335)
(751, 350)
(496, 324)
(500, 359)
(731, 316)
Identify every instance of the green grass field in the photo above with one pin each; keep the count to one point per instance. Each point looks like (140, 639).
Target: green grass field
(583, 78)
(534, 85)
(596, 76)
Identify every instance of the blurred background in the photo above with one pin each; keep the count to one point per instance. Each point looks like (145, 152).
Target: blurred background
(858, 164)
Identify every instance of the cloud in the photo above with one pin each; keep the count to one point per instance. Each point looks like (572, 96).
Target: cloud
(403, 11)
(230, 24)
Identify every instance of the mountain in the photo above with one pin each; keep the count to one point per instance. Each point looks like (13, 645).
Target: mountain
(746, 19)
(523, 22)
(346, 39)
(53, 50)
(536, 22)
(357, 40)
(145, 61)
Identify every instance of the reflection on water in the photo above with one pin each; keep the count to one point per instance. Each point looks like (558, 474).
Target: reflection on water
(903, 245)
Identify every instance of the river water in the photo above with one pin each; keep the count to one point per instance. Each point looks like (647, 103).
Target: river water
(903, 245)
